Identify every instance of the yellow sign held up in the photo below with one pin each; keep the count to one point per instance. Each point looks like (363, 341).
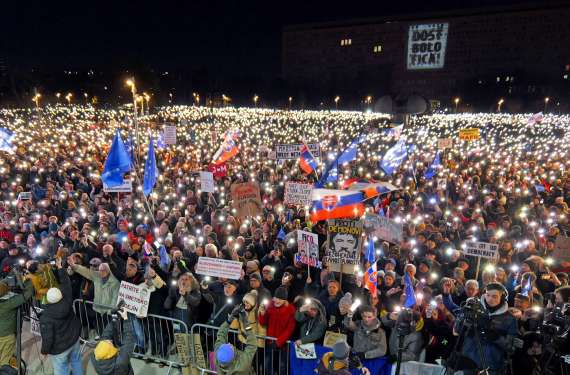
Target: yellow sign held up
(470, 134)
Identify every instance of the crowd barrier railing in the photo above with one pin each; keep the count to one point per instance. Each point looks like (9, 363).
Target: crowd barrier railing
(267, 361)
(160, 339)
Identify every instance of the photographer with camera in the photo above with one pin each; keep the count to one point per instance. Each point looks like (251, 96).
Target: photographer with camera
(487, 331)
(9, 305)
(112, 353)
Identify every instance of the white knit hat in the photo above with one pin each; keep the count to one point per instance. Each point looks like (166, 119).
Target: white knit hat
(54, 295)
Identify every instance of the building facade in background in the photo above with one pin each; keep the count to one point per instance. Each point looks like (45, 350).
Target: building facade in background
(520, 54)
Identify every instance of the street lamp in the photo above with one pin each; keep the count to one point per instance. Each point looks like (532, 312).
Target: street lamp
(500, 103)
(147, 98)
(456, 101)
(36, 99)
(546, 100)
(140, 99)
(68, 98)
(255, 100)
(290, 102)
(131, 83)
(336, 99)
(58, 95)
(86, 97)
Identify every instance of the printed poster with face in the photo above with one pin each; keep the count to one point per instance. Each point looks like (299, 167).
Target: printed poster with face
(343, 244)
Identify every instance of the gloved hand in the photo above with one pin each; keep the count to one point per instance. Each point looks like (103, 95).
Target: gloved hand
(234, 314)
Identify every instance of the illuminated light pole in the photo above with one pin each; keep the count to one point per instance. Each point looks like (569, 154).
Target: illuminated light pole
(499, 104)
(456, 101)
(68, 98)
(336, 99)
(131, 83)
(86, 97)
(255, 100)
(546, 100)
(147, 98)
(36, 99)
(290, 102)
(58, 95)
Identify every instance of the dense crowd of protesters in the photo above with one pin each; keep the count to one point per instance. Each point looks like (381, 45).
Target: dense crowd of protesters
(510, 188)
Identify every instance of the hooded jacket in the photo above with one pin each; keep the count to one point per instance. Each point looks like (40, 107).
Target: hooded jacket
(496, 337)
(120, 364)
(312, 329)
(241, 365)
(370, 340)
(59, 326)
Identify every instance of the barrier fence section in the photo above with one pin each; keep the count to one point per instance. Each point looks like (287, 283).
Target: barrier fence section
(158, 338)
(268, 360)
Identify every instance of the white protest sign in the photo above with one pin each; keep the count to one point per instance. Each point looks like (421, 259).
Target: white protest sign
(169, 135)
(207, 182)
(426, 46)
(125, 187)
(308, 248)
(298, 193)
(443, 143)
(136, 298)
(215, 267)
(481, 249)
(25, 195)
(293, 151)
(35, 321)
(383, 228)
(305, 351)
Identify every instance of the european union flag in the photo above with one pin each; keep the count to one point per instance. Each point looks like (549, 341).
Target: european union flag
(281, 235)
(410, 294)
(160, 143)
(6, 138)
(432, 170)
(349, 154)
(117, 164)
(130, 147)
(370, 251)
(150, 170)
(394, 157)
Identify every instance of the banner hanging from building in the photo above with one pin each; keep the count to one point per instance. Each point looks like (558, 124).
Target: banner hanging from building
(426, 46)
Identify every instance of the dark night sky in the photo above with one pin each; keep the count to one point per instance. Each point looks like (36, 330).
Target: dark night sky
(228, 37)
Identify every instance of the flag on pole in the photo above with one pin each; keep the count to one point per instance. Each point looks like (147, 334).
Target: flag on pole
(432, 170)
(150, 169)
(336, 204)
(117, 164)
(130, 147)
(228, 149)
(306, 160)
(409, 291)
(281, 235)
(394, 157)
(6, 138)
(371, 279)
(349, 154)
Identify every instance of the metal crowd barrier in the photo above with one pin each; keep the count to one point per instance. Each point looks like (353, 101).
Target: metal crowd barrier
(158, 338)
(265, 362)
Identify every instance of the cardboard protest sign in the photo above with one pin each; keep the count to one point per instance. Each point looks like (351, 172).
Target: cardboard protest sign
(207, 182)
(343, 244)
(216, 267)
(305, 351)
(35, 321)
(470, 134)
(298, 193)
(443, 143)
(307, 248)
(383, 228)
(481, 249)
(136, 298)
(246, 199)
(332, 338)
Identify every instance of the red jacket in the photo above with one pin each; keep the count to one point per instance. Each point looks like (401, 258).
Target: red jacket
(280, 322)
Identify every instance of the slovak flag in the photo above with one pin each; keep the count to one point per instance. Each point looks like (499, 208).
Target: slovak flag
(371, 279)
(306, 160)
(228, 149)
(336, 204)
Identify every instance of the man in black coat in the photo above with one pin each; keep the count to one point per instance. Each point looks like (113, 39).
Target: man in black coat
(60, 328)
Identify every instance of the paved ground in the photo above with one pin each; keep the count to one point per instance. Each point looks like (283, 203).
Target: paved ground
(40, 365)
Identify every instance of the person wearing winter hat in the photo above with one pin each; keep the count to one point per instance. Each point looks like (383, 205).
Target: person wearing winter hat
(249, 318)
(229, 360)
(60, 328)
(110, 356)
(338, 362)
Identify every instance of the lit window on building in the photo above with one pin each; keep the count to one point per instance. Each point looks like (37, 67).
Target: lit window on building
(345, 42)
(498, 79)
(377, 48)
(565, 76)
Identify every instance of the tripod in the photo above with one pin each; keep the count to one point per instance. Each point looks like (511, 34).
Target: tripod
(468, 325)
(400, 350)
